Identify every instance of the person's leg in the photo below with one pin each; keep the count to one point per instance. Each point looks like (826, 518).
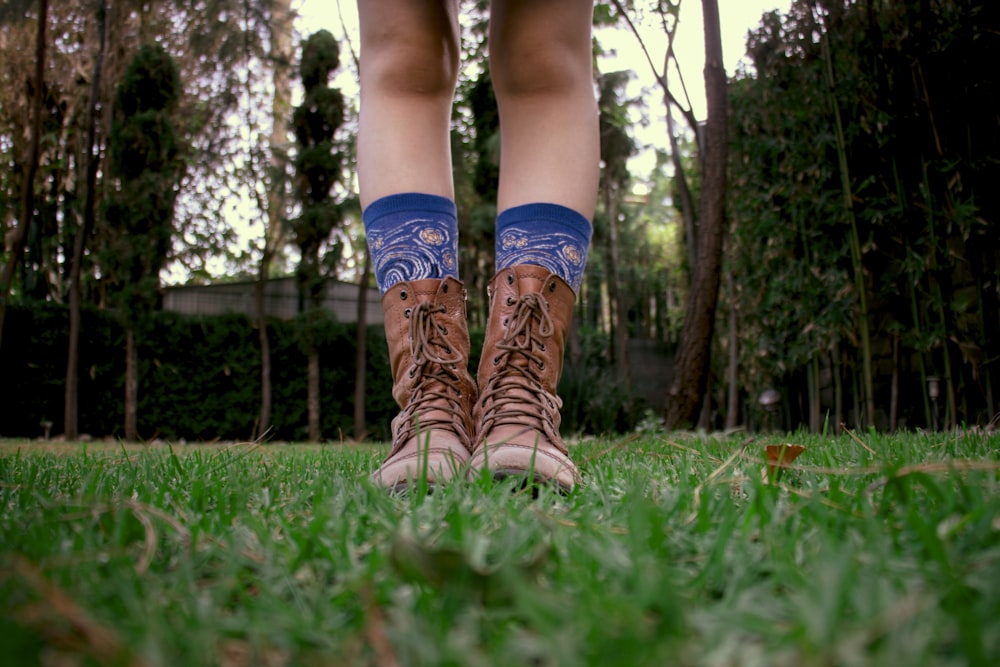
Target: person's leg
(409, 66)
(541, 66)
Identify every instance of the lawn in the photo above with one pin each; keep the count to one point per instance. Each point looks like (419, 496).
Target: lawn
(868, 549)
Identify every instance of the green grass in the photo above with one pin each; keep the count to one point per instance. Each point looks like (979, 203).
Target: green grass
(870, 550)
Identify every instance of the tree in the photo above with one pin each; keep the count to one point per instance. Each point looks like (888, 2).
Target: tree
(318, 168)
(70, 408)
(693, 356)
(20, 233)
(857, 263)
(862, 163)
(280, 32)
(72, 178)
(146, 161)
(616, 148)
(704, 228)
(669, 13)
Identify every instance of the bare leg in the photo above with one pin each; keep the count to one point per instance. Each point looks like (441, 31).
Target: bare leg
(541, 63)
(409, 67)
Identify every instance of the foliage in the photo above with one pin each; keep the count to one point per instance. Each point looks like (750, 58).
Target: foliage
(594, 400)
(318, 169)
(316, 122)
(198, 376)
(146, 159)
(921, 154)
(475, 143)
(219, 48)
(674, 551)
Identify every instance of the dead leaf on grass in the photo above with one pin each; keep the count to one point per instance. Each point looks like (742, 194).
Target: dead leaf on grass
(779, 457)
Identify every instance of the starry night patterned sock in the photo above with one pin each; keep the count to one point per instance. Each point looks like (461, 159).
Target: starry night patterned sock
(547, 235)
(411, 236)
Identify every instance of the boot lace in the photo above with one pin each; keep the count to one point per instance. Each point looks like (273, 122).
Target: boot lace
(515, 394)
(436, 401)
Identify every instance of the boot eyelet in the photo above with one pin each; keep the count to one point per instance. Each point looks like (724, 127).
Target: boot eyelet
(413, 372)
(496, 361)
(505, 321)
(510, 278)
(510, 301)
(541, 365)
(407, 312)
(552, 286)
(403, 295)
(541, 346)
(444, 331)
(444, 288)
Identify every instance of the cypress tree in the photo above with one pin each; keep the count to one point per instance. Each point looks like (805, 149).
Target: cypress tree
(318, 169)
(146, 164)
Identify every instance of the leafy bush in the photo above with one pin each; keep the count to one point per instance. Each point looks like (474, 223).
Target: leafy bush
(594, 401)
(199, 378)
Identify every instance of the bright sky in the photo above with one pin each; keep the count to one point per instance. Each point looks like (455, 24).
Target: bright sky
(737, 17)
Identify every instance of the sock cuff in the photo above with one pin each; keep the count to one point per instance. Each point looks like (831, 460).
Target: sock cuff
(552, 236)
(411, 236)
(571, 220)
(408, 203)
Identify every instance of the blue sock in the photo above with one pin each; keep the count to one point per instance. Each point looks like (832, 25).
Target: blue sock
(411, 236)
(547, 235)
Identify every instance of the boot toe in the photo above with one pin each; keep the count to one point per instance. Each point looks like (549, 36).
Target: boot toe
(536, 464)
(436, 466)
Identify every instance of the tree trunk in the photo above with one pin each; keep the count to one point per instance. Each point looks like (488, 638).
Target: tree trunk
(687, 201)
(693, 356)
(619, 330)
(281, 53)
(71, 403)
(838, 388)
(894, 387)
(813, 378)
(20, 234)
(733, 398)
(264, 418)
(361, 360)
(313, 398)
(131, 385)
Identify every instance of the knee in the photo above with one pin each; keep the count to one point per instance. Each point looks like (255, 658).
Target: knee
(409, 63)
(549, 66)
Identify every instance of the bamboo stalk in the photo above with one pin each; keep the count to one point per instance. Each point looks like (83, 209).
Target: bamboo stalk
(855, 241)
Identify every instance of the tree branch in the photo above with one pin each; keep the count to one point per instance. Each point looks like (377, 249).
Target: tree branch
(660, 77)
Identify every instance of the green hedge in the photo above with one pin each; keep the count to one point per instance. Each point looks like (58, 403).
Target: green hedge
(199, 378)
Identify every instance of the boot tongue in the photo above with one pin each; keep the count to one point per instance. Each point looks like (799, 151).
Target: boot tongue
(426, 289)
(531, 281)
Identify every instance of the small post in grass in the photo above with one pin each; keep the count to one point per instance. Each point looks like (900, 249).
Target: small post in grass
(934, 392)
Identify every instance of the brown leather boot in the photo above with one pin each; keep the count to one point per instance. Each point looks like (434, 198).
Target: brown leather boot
(518, 411)
(428, 339)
